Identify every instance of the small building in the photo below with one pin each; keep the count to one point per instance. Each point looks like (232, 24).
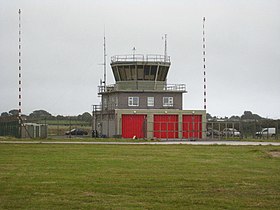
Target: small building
(142, 105)
(34, 130)
(14, 126)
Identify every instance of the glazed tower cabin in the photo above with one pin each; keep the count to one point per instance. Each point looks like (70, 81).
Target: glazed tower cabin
(142, 105)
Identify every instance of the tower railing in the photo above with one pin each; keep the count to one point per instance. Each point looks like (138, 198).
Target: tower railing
(175, 87)
(140, 58)
(165, 87)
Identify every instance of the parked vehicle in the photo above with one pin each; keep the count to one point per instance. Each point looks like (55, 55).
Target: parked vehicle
(76, 132)
(213, 133)
(266, 132)
(231, 132)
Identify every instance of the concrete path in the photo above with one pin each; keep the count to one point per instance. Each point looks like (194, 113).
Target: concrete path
(233, 143)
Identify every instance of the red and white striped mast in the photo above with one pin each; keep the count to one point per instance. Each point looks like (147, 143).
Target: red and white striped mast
(19, 65)
(204, 64)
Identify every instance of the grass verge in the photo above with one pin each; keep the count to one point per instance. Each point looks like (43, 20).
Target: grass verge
(139, 177)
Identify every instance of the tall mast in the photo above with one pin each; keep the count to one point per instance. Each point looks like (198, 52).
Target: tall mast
(104, 60)
(204, 64)
(19, 65)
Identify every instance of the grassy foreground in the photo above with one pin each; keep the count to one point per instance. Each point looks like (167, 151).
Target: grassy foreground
(37, 176)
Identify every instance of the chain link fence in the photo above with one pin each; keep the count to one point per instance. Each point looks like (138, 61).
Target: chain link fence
(217, 130)
(265, 129)
(10, 126)
(62, 127)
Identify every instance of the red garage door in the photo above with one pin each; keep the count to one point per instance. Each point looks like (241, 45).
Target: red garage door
(166, 126)
(134, 125)
(192, 126)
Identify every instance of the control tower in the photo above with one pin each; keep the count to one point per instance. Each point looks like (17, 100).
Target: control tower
(139, 72)
(141, 83)
(140, 101)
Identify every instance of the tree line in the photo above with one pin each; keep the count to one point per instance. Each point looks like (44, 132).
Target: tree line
(247, 116)
(42, 114)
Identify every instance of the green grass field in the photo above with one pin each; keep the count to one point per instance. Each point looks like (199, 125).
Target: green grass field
(37, 176)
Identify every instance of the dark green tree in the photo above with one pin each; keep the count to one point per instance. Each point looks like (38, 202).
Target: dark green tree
(40, 114)
(85, 117)
(4, 114)
(13, 112)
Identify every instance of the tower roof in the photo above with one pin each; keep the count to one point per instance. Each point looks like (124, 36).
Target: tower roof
(140, 67)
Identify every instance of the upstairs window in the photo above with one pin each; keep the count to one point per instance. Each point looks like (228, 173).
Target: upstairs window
(150, 101)
(167, 101)
(133, 101)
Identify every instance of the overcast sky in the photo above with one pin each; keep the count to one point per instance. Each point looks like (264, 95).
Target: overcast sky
(62, 48)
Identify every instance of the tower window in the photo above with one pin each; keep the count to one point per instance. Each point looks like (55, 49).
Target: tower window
(133, 101)
(150, 101)
(167, 101)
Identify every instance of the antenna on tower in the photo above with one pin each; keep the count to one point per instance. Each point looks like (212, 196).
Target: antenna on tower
(19, 65)
(104, 59)
(204, 63)
(134, 50)
(165, 47)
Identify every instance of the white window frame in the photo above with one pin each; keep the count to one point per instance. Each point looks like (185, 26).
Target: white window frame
(150, 101)
(167, 101)
(133, 101)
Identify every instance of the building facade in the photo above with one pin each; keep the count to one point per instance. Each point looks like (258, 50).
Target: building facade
(142, 105)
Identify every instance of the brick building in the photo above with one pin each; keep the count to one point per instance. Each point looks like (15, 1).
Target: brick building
(141, 104)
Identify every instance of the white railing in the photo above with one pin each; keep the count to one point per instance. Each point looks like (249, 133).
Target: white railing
(140, 58)
(108, 88)
(175, 87)
(167, 87)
